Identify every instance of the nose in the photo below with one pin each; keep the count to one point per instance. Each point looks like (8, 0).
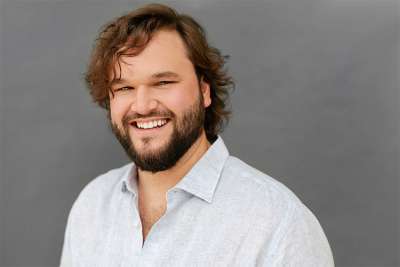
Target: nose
(144, 101)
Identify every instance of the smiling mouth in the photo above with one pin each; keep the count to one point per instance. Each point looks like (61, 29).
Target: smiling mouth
(149, 125)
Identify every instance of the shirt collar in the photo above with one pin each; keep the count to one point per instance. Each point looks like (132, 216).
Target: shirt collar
(200, 181)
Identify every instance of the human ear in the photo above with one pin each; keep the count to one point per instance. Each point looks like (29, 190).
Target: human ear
(205, 91)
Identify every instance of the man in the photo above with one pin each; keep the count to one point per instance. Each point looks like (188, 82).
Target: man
(183, 201)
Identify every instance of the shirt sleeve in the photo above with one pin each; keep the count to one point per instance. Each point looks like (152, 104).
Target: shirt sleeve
(299, 241)
(66, 254)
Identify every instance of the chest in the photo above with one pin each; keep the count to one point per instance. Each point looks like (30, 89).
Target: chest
(150, 210)
(191, 232)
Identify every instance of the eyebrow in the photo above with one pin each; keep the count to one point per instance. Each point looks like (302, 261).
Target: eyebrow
(157, 75)
(165, 74)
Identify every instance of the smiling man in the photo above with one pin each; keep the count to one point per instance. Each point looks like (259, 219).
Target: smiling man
(183, 200)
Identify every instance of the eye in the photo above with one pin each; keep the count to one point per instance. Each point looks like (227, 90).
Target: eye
(121, 89)
(161, 83)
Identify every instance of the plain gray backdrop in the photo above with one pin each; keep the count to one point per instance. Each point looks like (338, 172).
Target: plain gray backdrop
(316, 106)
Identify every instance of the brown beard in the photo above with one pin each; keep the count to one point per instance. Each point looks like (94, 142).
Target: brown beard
(185, 132)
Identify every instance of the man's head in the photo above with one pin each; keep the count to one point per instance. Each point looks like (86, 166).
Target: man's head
(153, 68)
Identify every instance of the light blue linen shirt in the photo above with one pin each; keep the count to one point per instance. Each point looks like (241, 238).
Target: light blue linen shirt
(222, 213)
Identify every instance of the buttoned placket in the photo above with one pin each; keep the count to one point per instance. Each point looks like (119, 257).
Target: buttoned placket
(132, 230)
(171, 197)
(134, 248)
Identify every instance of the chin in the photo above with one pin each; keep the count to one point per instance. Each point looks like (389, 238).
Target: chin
(149, 144)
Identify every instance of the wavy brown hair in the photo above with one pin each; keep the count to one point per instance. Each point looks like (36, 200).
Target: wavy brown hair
(128, 35)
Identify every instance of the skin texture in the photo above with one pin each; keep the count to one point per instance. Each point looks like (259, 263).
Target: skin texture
(186, 130)
(146, 87)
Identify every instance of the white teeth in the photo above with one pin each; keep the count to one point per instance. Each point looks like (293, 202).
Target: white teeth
(151, 124)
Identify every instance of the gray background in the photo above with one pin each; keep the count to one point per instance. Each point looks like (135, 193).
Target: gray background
(316, 106)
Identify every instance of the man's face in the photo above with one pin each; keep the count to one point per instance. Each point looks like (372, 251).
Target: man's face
(158, 105)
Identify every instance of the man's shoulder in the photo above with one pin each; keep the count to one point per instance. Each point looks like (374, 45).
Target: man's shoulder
(243, 174)
(258, 189)
(278, 215)
(106, 182)
(264, 198)
(101, 189)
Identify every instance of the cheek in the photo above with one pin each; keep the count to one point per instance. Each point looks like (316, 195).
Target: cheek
(179, 100)
(177, 103)
(118, 109)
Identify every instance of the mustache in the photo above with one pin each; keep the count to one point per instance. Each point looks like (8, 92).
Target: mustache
(133, 116)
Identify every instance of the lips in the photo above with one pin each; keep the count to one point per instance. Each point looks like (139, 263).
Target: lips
(152, 125)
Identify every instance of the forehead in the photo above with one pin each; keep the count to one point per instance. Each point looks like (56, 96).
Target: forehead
(166, 51)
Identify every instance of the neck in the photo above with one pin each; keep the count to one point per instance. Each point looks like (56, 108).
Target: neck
(157, 184)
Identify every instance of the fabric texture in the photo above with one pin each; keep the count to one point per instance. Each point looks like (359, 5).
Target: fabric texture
(222, 213)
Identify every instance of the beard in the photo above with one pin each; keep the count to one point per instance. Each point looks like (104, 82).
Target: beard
(186, 130)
